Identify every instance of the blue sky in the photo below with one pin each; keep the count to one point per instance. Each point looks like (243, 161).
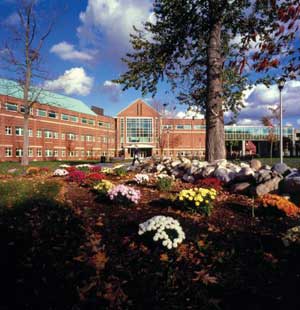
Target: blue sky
(82, 55)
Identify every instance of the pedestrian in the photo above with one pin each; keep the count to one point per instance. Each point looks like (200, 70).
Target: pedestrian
(136, 153)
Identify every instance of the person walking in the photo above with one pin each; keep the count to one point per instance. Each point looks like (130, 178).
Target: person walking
(136, 154)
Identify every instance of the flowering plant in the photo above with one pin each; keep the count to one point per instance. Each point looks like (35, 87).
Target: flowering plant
(141, 178)
(124, 194)
(164, 182)
(120, 171)
(93, 178)
(279, 205)
(77, 176)
(103, 187)
(84, 167)
(64, 166)
(32, 170)
(60, 172)
(167, 230)
(95, 169)
(210, 183)
(291, 236)
(198, 199)
(44, 170)
(107, 170)
(71, 169)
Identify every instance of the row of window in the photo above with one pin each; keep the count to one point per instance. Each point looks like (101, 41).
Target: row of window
(185, 127)
(54, 153)
(52, 114)
(19, 131)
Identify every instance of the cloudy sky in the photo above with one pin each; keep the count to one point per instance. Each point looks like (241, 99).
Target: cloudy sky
(83, 54)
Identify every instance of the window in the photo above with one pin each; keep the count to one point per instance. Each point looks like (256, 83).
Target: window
(84, 121)
(88, 153)
(48, 134)
(55, 153)
(74, 118)
(11, 107)
(63, 136)
(22, 110)
(19, 131)
(199, 127)
(63, 153)
(39, 153)
(167, 126)
(82, 138)
(48, 153)
(71, 154)
(139, 130)
(71, 136)
(55, 135)
(82, 153)
(8, 130)
(65, 117)
(104, 139)
(30, 152)
(52, 114)
(19, 152)
(89, 138)
(91, 122)
(8, 152)
(100, 124)
(39, 133)
(41, 113)
(30, 134)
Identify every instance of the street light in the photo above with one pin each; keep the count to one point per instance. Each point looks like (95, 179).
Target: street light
(281, 83)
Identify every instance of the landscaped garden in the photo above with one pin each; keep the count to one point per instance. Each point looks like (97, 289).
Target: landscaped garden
(86, 237)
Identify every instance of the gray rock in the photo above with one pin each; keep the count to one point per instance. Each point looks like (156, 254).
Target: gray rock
(255, 164)
(208, 171)
(240, 188)
(186, 163)
(175, 163)
(263, 175)
(281, 168)
(291, 183)
(219, 163)
(267, 187)
(13, 170)
(222, 174)
(244, 165)
(246, 174)
(160, 168)
(188, 178)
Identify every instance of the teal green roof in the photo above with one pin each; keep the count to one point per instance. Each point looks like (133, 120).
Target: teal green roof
(13, 89)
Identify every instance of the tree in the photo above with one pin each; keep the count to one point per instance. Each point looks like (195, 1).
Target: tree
(202, 47)
(268, 121)
(24, 60)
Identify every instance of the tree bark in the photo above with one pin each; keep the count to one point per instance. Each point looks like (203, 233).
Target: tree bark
(215, 135)
(25, 160)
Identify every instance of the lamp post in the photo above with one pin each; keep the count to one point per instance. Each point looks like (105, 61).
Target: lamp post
(281, 83)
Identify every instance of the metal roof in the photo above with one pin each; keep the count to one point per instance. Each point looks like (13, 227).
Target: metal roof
(13, 89)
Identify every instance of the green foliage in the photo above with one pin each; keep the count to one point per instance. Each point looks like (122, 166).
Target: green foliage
(120, 171)
(164, 184)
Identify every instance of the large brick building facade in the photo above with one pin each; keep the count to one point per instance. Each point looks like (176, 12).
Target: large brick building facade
(63, 128)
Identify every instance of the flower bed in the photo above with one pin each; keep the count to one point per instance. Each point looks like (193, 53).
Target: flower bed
(210, 183)
(166, 230)
(77, 176)
(60, 172)
(103, 187)
(197, 200)
(124, 195)
(278, 205)
(141, 179)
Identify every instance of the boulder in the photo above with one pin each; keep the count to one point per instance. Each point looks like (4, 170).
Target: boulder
(281, 168)
(267, 187)
(186, 163)
(160, 168)
(188, 178)
(263, 175)
(222, 174)
(291, 183)
(240, 188)
(175, 163)
(219, 163)
(13, 170)
(255, 164)
(246, 174)
(208, 171)
(244, 165)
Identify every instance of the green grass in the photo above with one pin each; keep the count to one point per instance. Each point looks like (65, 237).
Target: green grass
(290, 161)
(51, 165)
(15, 192)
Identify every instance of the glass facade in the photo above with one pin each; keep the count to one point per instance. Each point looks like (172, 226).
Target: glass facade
(139, 130)
(256, 133)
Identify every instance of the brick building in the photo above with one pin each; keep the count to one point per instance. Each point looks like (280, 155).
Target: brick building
(63, 128)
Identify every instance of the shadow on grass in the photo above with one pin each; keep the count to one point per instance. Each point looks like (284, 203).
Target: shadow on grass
(39, 239)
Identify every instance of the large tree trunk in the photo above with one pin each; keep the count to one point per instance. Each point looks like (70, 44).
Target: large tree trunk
(215, 135)
(25, 160)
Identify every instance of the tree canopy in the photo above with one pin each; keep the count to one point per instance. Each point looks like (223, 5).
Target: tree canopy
(206, 49)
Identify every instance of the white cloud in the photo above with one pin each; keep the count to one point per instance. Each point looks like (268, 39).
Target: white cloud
(113, 21)
(113, 90)
(189, 115)
(248, 121)
(298, 121)
(73, 81)
(67, 51)
(12, 19)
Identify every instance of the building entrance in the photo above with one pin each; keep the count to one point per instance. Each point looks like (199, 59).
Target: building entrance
(144, 152)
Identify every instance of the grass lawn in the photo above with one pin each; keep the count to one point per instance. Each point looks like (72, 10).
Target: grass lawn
(293, 162)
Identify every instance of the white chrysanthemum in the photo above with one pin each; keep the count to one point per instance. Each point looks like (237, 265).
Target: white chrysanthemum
(60, 172)
(161, 225)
